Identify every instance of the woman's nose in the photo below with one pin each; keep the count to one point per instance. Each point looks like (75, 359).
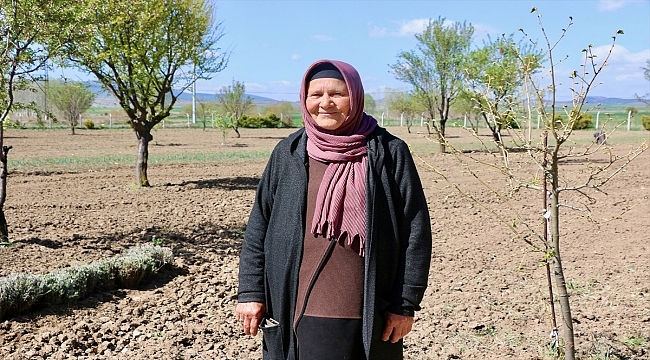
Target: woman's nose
(325, 100)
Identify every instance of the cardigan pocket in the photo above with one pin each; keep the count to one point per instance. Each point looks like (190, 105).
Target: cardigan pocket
(272, 340)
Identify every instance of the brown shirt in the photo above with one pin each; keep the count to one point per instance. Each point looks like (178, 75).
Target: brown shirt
(338, 289)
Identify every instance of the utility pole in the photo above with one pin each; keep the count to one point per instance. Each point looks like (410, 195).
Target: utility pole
(45, 89)
(194, 94)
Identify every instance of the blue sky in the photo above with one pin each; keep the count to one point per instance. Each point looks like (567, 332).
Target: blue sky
(273, 42)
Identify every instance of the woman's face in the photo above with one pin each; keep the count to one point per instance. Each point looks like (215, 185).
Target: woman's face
(328, 102)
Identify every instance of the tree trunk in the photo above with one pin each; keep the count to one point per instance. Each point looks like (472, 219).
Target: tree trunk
(72, 129)
(496, 134)
(441, 137)
(4, 231)
(144, 137)
(558, 271)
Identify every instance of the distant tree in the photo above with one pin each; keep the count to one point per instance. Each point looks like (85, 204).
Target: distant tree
(71, 99)
(436, 69)
(369, 104)
(204, 110)
(631, 110)
(31, 32)
(147, 53)
(465, 104)
(406, 105)
(224, 124)
(496, 73)
(233, 100)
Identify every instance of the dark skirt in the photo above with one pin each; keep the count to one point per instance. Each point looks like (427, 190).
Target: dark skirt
(327, 338)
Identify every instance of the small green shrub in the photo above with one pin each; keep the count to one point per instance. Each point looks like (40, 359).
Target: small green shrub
(269, 121)
(584, 121)
(645, 120)
(89, 124)
(509, 121)
(19, 292)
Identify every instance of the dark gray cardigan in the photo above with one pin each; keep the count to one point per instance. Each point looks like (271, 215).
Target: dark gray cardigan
(398, 245)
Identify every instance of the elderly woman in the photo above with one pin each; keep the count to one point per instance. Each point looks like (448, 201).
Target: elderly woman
(337, 249)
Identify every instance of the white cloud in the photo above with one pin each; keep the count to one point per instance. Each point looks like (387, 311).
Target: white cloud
(622, 77)
(629, 77)
(282, 83)
(377, 32)
(481, 31)
(417, 26)
(295, 57)
(608, 5)
(612, 5)
(323, 38)
(412, 27)
(253, 87)
(621, 59)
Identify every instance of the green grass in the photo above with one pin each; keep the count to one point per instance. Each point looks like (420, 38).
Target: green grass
(634, 341)
(121, 160)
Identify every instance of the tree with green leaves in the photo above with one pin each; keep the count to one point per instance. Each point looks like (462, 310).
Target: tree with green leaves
(147, 53)
(436, 70)
(632, 111)
(369, 104)
(204, 110)
(71, 100)
(496, 74)
(31, 32)
(224, 124)
(406, 105)
(465, 104)
(233, 100)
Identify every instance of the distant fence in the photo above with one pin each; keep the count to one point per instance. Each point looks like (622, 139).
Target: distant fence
(116, 119)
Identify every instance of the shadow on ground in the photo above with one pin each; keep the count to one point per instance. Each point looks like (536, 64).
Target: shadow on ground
(235, 183)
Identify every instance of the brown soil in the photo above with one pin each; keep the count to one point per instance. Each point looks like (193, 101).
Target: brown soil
(487, 297)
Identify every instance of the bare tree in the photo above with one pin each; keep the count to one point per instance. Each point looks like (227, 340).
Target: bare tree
(541, 167)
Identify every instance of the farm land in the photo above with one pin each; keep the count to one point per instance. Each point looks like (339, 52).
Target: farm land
(72, 200)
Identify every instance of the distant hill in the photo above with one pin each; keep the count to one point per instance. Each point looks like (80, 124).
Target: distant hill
(105, 99)
(608, 101)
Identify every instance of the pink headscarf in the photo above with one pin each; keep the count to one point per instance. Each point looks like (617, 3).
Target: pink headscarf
(341, 199)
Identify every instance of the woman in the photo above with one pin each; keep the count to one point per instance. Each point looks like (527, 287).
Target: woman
(336, 255)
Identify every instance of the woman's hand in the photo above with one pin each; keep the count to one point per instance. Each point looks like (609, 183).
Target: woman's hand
(250, 316)
(397, 326)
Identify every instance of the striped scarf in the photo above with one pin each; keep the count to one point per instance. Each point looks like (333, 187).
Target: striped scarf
(341, 200)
